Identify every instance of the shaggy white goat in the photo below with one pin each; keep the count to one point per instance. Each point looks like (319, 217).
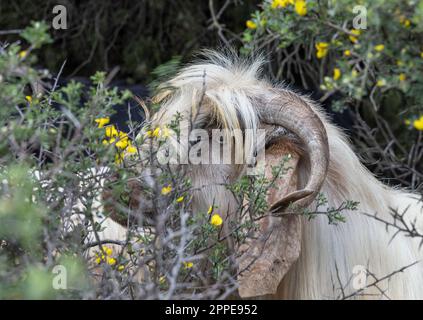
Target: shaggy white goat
(235, 97)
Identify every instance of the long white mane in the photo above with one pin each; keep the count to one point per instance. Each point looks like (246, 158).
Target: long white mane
(332, 254)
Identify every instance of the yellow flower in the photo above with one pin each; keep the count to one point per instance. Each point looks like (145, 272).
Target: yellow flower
(111, 131)
(347, 53)
(216, 220)
(104, 255)
(162, 280)
(421, 54)
(122, 143)
(353, 39)
(153, 133)
(107, 250)
(405, 22)
(102, 121)
(165, 132)
(402, 77)
(111, 261)
(29, 99)
(210, 210)
(418, 124)
(23, 54)
(301, 7)
(121, 267)
(279, 3)
(322, 45)
(381, 83)
(322, 49)
(188, 265)
(180, 199)
(336, 74)
(131, 149)
(156, 132)
(251, 25)
(110, 141)
(119, 157)
(166, 190)
(380, 47)
(356, 33)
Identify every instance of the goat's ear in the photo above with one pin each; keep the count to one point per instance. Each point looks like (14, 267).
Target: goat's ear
(287, 181)
(267, 259)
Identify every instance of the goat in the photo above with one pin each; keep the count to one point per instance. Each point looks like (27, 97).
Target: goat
(313, 252)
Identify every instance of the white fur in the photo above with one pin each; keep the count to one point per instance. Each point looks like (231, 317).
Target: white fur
(231, 87)
(361, 240)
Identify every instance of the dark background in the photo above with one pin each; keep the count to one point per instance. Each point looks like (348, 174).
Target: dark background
(136, 36)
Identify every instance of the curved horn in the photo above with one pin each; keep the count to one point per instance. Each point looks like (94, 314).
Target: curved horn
(295, 114)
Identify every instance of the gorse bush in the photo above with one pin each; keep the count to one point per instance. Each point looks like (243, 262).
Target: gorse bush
(373, 68)
(57, 149)
(48, 142)
(339, 57)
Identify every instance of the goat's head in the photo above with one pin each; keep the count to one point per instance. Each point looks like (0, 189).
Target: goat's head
(221, 94)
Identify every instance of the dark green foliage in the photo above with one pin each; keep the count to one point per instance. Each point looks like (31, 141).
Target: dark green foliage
(135, 35)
